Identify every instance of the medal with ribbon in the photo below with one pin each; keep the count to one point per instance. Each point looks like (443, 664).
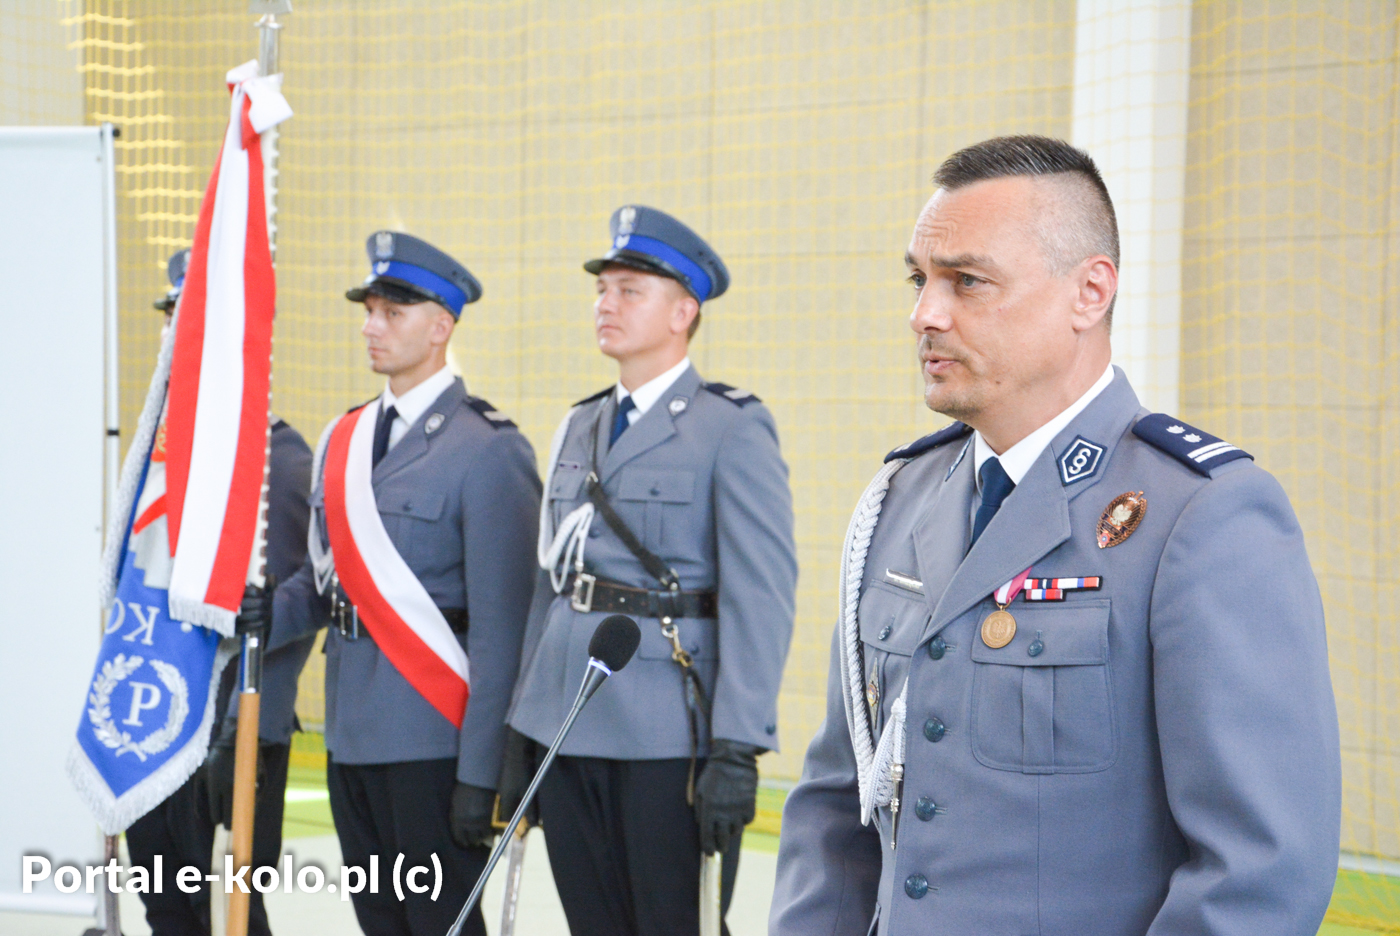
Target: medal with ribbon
(999, 627)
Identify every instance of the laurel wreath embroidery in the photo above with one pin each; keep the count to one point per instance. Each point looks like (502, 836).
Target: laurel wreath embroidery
(100, 709)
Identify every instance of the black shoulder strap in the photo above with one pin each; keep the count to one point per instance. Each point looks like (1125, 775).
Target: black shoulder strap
(667, 576)
(656, 568)
(1195, 448)
(739, 398)
(495, 417)
(594, 396)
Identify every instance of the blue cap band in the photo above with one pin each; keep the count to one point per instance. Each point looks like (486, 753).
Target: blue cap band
(699, 279)
(180, 283)
(443, 288)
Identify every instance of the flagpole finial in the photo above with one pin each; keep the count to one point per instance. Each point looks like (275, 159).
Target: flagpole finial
(270, 29)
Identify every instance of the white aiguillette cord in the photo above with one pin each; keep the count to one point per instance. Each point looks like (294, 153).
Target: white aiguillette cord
(874, 764)
(556, 551)
(322, 559)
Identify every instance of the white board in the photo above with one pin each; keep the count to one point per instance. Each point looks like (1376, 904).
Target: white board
(55, 267)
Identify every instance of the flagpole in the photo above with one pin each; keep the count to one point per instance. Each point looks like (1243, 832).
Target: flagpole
(245, 769)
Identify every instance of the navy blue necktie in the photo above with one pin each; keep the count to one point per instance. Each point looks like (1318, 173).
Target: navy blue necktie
(381, 434)
(620, 422)
(996, 484)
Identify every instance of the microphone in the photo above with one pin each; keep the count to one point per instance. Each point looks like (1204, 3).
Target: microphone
(611, 648)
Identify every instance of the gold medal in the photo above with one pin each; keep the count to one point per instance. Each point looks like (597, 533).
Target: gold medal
(1120, 518)
(998, 628)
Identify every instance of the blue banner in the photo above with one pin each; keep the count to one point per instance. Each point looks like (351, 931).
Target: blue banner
(145, 723)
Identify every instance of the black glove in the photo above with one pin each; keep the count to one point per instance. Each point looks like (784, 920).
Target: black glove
(255, 614)
(218, 767)
(218, 773)
(470, 821)
(726, 793)
(518, 764)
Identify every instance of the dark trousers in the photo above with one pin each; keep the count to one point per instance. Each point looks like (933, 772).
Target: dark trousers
(393, 809)
(625, 847)
(182, 832)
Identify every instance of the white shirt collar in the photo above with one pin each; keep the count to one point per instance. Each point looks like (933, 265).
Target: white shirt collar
(647, 394)
(1018, 459)
(412, 404)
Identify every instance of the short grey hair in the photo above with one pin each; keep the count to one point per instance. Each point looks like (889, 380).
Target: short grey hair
(1082, 222)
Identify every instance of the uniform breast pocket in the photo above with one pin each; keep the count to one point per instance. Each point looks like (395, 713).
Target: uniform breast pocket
(408, 515)
(655, 495)
(891, 622)
(1044, 702)
(566, 489)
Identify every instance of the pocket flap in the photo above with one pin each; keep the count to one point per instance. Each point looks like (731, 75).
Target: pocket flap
(568, 479)
(418, 504)
(1070, 634)
(891, 618)
(666, 486)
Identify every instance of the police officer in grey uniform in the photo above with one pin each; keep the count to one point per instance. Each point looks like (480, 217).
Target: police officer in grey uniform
(457, 492)
(1079, 683)
(667, 499)
(181, 829)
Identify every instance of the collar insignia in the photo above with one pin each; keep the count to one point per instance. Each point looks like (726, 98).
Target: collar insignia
(1081, 460)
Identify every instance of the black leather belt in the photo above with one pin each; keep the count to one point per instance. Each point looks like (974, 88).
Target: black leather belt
(345, 617)
(594, 594)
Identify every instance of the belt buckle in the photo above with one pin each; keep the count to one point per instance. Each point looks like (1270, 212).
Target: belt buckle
(582, 598)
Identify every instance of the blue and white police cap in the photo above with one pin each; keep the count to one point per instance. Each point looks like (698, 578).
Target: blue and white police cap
(407, 270)
(175, 270)
(654, 242)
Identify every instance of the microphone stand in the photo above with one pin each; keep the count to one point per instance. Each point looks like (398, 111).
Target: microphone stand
(597, 672)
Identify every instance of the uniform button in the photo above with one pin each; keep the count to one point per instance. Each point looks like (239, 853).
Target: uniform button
(916, 886)
(934, 729)
(885, 632)
(937, 647)
(407, 505)
(1036, 648)
(655, 492)
(594, 534)
(925, 808)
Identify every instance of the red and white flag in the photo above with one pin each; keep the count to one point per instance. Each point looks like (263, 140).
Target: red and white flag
(217, 423)
(393, 605)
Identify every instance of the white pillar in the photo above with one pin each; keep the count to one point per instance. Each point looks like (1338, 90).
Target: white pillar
(1131, 80)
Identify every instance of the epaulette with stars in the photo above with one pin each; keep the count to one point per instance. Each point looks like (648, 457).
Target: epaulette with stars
(740, 398)
(930, 442)
(1197, 450)
(495, 417)
(595, 396)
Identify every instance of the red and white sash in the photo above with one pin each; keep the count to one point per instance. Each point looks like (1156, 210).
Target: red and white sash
(393, 605)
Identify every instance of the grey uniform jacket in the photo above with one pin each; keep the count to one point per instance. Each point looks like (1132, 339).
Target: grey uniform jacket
(461, 505)
(288, 513)
(1166, 763)
(699, 479)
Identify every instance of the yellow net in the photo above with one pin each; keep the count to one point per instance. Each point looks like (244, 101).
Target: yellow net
(799, 136)
(1289, 335)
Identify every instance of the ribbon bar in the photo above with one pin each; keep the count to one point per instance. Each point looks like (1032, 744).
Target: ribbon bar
(1054, 589)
